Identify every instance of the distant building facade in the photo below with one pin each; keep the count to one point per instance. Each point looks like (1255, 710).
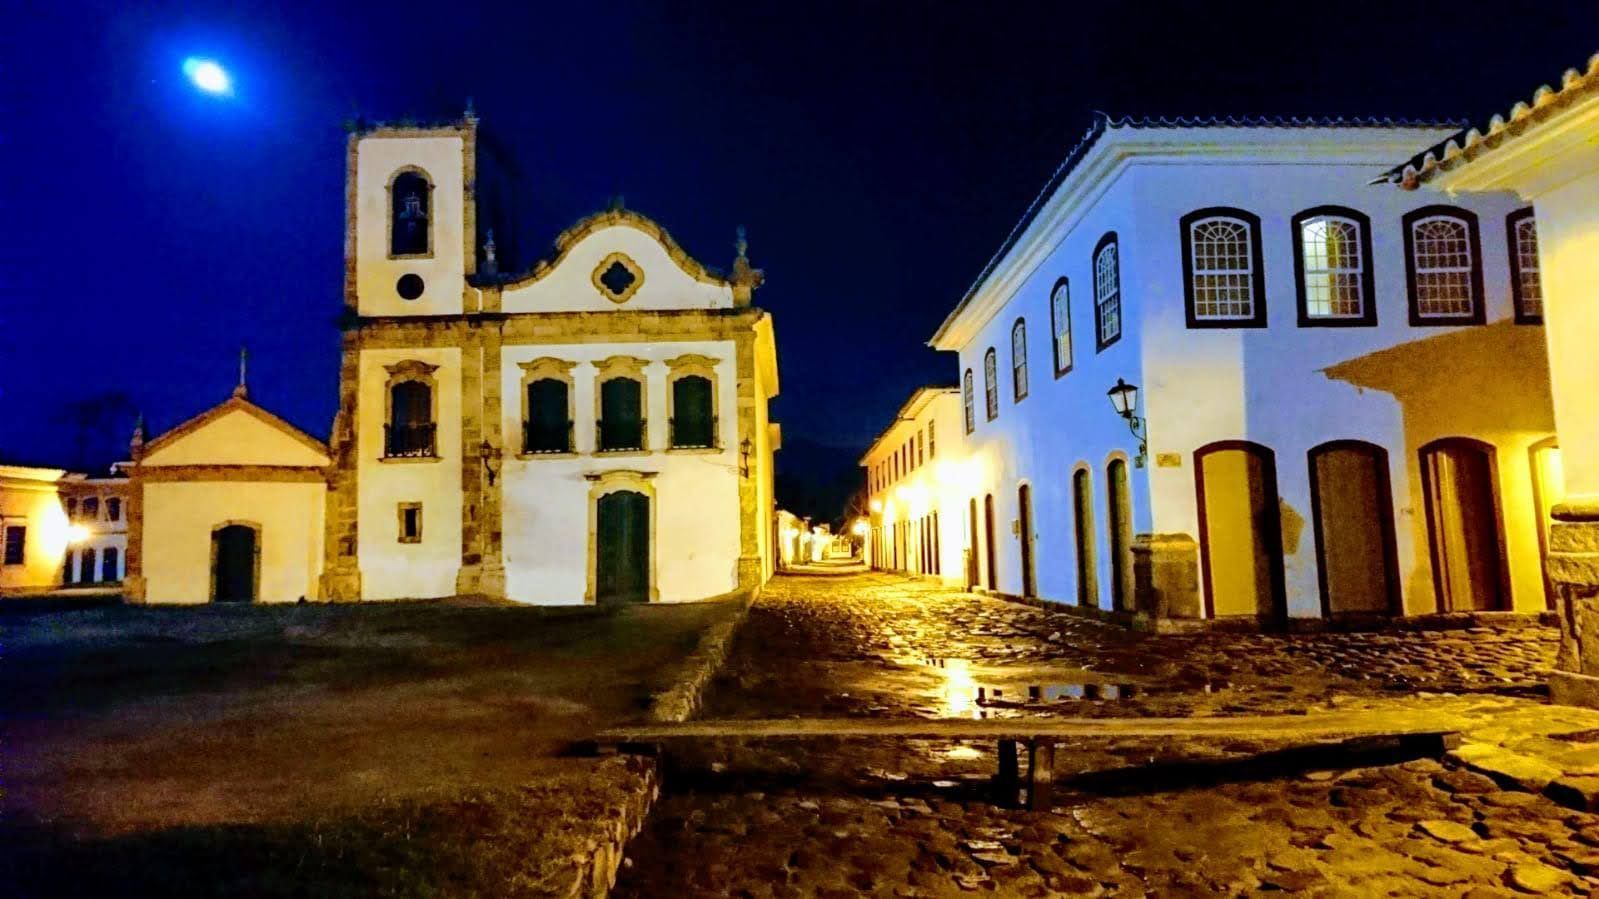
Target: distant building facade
(61, 529)
(917, 485)
(1343, 388)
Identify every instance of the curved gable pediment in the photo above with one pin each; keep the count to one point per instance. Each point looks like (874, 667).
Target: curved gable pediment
(617, 260)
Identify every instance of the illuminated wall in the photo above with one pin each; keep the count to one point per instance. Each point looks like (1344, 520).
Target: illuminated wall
(1286, 387)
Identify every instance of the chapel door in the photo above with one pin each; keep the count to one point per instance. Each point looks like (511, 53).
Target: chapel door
(233, 549)
(623, 548)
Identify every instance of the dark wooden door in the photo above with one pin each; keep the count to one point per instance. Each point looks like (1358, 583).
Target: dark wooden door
(1463, 525)
(623, 551)
(233, 575)
(1024, 528)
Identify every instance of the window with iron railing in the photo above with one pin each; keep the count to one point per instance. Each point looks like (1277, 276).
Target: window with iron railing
(413, 441)
(410, 432)
(693, 425)
(548, 428)
(544, 437)
(621, 423)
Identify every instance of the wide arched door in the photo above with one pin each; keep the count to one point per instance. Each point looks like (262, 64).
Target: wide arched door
(1240, 535)
(1352, 507)
(1463, 529)
(234, 549)
(622, 549)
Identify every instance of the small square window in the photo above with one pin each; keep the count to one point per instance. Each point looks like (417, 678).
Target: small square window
(410, 522)
(16, 544)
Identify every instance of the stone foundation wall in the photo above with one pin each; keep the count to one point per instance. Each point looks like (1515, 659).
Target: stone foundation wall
(1574, 572)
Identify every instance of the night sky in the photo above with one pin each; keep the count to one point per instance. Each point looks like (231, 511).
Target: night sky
(876, 153)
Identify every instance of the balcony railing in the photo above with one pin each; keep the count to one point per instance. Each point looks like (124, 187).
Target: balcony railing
(693, 433)
(618, 435)
(546, 437)
(409, 441)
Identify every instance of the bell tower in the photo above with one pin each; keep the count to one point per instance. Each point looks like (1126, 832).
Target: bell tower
(410, 218)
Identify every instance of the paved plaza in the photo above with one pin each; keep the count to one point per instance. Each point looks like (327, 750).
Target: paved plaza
(850, 816)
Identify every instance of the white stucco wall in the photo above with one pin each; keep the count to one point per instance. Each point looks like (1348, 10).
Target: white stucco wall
(568, 286)
(546, 504)
(179, 518)
(443, 272)
(390, 569)
(1265, 384)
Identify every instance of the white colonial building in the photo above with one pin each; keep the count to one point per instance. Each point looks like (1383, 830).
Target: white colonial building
(919, 488)
(61, 529)
(592, 431)
(1343, 388)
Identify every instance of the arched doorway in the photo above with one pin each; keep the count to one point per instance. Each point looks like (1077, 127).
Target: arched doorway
(1024, 535)
(1464, 533)
(988, 541)
(971, 547)
(622, 549)
(1083, 528)
(1119, 505)
(235, 558)
(1351, 507)
(1240, 532)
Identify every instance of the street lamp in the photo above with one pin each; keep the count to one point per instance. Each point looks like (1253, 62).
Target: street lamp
(745, 448)
(490, 454)
(1124, 399)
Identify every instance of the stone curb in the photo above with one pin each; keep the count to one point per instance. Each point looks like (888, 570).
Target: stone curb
(596, 866)
(680, 701)
(1524, 773)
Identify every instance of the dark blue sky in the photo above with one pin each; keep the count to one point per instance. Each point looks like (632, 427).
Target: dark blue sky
(877, 155)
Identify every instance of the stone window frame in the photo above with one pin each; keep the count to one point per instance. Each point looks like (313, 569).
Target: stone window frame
(388, 212)
(422, 373)
(609, 369)
(550, 368)
(399, 511)
(627, 263)
(687, 365)
(616, 481)
(211, 570)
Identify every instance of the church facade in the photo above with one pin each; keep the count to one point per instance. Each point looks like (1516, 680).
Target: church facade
(592, 431)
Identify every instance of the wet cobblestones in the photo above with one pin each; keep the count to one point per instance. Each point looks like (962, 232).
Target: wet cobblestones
(915, 818)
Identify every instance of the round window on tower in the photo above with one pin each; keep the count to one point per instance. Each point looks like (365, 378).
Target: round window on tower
(409, 286)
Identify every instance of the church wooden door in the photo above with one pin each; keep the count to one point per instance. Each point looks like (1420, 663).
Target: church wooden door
(622, 552)
(233, 551)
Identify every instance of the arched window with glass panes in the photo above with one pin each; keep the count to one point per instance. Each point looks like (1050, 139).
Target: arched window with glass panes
(1525, 282)
(1443, 266)
(1018, 361)
(991, 384)
(1222, 270)
(969, 401)
(1107, 292)
(1060, 326)
(1332, 267)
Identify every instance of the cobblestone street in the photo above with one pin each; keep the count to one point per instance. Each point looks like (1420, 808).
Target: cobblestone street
(1130, 817)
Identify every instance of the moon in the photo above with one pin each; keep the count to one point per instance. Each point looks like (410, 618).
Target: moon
(208, 76)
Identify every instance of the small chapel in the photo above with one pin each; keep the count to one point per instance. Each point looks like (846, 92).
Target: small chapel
(593, 430)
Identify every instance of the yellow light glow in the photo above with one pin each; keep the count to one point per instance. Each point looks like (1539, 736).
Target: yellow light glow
(960, 689)
(861, 527)
(77, 533)
(877, 505)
